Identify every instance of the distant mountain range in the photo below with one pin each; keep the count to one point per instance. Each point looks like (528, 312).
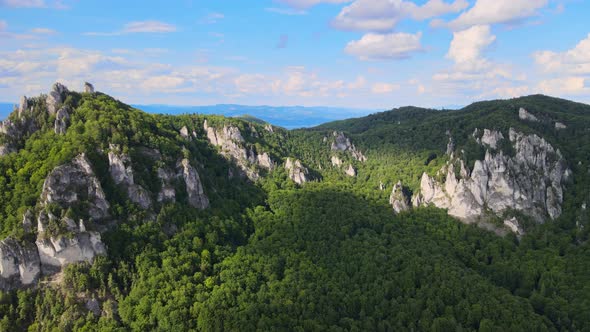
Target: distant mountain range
(285, 116)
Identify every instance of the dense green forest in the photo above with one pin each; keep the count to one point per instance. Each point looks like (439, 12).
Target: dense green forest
(329, 255)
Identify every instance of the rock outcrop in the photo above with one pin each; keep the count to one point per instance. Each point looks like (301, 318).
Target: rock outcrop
(399, 199)
(88, 88)
(531, 181)
(55, 97)
(450, 144)
(23, 106)
(560, 126)
(19, 264)
(62, 117)
(60, 239)
(350, 171)
(234, 147)
(194, 187)
(342, 143)
(122, 173)
(526, 116)
(336, 161)
(490, 138)
(297, 172)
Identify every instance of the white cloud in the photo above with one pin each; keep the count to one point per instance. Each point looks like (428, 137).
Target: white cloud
(43, 31)
(286, 11)
(374, 46)
(310, 3)
(381, 88)
(23, 3)
(434, 8)
(565, 86)
(383, 15)
(138, 27)
(497, 11)
(574, 61)
(468, 45)
(148, 26)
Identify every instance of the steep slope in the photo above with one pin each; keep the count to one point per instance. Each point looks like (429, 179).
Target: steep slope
(114, 219)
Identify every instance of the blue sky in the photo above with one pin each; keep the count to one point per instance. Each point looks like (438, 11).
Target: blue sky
(374, 54)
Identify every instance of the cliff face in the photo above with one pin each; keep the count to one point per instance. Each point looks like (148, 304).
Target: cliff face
(234, 147)
(532, 181)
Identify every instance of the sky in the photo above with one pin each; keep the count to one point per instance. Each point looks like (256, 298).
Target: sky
(371, 54)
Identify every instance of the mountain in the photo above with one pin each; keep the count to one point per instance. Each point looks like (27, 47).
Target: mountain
(289, 117)
(410, 219)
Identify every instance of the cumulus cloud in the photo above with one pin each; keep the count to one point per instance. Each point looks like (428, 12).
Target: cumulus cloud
(498, 11)
(374, 46)
(468, 45)
(138, 27)
(148, 26)
(383, 15)
(565, 86)
(574, 61)
(381, 88)
(23, 3)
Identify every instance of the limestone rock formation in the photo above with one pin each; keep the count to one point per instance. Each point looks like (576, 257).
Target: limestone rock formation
(560, 126)
(234, 147)
(167, 192)
(194, 187)
(23, 106)
(268, 127)
(55, 97)
(490, 138)
(19, 264)
(532, 181)
(184, 132)
(450, 144)
(70, 187)
(61, 120)
(122, 173)
(297, 172)
(336, 161)
(525, 115)
(350, 171)
(342, 143)
(88, 88)
(398, 199)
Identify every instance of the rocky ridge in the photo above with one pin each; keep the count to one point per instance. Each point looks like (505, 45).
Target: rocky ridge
(531, 182)
(234, 147)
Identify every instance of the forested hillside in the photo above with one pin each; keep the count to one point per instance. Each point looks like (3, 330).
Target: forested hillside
(118, 220)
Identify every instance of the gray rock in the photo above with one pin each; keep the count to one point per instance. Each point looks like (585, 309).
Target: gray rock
(194, 187)
(336, 161)
(560, 126)
(19, 264)
(513, 225)
(531, 182)
(70, 186)
(342, 143)
(167, 192)
(269, 128)
(350, 171)
(55, 97)
(297, 172)
(184, 132)
(398, 199)
(88, 88)
(234, 148)
(93, 306)
(525, 115)
(23, 106)
(491, 138)
(122, 173)
(62, 118)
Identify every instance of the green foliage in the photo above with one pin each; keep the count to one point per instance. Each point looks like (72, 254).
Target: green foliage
(329, 255)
